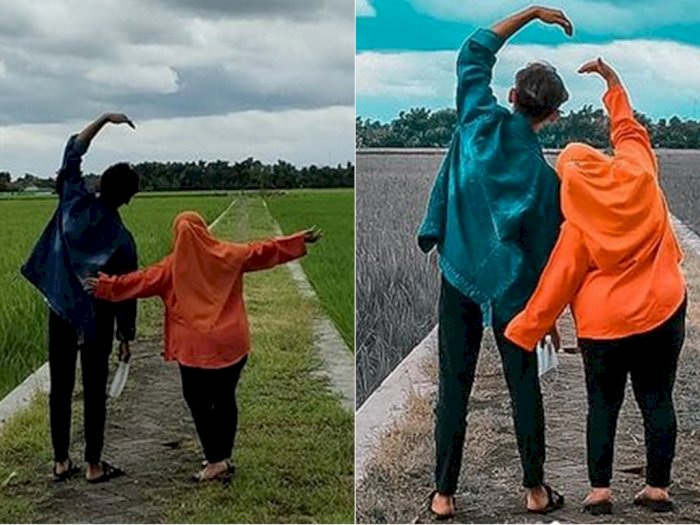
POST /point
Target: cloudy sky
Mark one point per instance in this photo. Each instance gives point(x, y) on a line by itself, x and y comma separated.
point(407, 49)
point(202, 79)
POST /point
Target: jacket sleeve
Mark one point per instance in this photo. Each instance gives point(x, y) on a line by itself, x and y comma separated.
point(69, 178)
point(629, 138)
point(125, 312)
point(474, 70)
point(556, 288)
point(149, 282)
point(266, 254)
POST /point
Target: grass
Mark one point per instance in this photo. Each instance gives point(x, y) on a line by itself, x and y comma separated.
point(397, 284)
point(24, 442)
point(294, 450)
point(330, 265)
point(23, 313)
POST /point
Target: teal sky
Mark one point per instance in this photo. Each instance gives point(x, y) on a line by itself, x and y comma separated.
point(406, 51)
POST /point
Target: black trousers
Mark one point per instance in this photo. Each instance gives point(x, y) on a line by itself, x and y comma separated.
point(211, 396)
point(651, 360)
point(94, 360)
point(459, 339)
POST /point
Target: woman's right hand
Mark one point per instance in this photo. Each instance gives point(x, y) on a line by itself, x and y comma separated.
point(601, 68)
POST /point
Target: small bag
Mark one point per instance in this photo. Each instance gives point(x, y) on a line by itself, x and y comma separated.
point(547, 359)
point(119, 380)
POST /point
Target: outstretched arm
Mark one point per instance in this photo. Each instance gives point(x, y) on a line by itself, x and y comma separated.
point(267, 254)
point(478, 56)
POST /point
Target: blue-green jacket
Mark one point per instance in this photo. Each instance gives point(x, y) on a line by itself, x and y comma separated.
point(494, 210)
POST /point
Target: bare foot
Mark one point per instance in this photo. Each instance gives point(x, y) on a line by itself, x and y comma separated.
point(443, 504)
point(596, 495)
point(653, 494)
point(61, 467)
point(93, 471)
point(536, 499)
point(213, 471)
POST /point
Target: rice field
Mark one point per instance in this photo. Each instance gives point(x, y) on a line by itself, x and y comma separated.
point(22, 311)
point(397, 285)
point(330, 266)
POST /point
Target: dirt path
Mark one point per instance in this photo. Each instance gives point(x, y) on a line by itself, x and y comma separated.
point(399, 477)
point(149, 435)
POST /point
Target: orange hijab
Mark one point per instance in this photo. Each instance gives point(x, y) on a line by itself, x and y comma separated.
point(618, 205)
point(204, 271)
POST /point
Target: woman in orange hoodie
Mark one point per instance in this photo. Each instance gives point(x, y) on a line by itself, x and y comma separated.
point(617, 262)
point(206, 326)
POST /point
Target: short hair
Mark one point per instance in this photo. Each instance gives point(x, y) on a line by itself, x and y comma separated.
point(539, 90)
point(119, 182)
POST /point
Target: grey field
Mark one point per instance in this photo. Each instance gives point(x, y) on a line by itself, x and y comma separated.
point(397, 285)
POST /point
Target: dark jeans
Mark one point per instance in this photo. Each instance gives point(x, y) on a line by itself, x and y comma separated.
point(651, 360)
point(211, 396)
point(94, 360)
point(459, 338)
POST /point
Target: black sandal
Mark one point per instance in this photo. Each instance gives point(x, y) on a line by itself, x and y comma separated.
point(599, 508)
point(109, 472)
point(72, 470)
point(437, 515)
point(555, 501)
point(655, 505)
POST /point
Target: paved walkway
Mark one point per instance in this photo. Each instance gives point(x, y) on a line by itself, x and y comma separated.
point(398, 478)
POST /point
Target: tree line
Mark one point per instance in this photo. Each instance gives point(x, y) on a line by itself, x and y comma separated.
point(215, 175)
point(424, 128)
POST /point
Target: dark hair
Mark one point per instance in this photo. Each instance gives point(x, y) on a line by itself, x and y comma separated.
point(119, 183)
point(539, 91)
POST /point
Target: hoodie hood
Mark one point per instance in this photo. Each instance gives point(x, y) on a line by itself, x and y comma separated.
point(615, 203)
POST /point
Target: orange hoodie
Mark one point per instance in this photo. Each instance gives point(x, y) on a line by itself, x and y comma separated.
point(201, 285)
point(617, 260)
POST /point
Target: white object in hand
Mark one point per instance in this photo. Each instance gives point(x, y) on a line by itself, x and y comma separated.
point(547, 359)
point(119, 380)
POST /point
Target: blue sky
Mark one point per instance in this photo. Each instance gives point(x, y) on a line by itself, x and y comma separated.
point(406, 51)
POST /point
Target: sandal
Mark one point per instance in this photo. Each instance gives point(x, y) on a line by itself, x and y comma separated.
point(109, 472)
point(599, 508)
point(72, 470)
point(655, 505)
point(555, 501)
point(438, 515)
point(224, 476)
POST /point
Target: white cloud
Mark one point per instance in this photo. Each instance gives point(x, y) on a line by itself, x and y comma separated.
point(320, 136)
point(663, 77)
point(123, 79)
point(607, 17)
point(363, 8)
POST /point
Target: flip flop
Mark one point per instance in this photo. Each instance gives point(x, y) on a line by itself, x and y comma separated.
point(555, 501)
point(109, 472)
point(437, 515)
point(73, 469)
point(599, 508)
point(655, 505)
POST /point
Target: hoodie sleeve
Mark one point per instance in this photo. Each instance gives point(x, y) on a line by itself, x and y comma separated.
point(558, 284)
point(629, 138)
point(267, 254)
point(141, 284)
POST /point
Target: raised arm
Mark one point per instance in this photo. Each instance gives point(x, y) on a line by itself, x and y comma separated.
point(629, 138)
point(558, 284)
point(478, 56)
point(77, 146)
point(267, 254)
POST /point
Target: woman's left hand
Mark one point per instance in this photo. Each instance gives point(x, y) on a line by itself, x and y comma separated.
point(312, 235)
point(90, 284)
